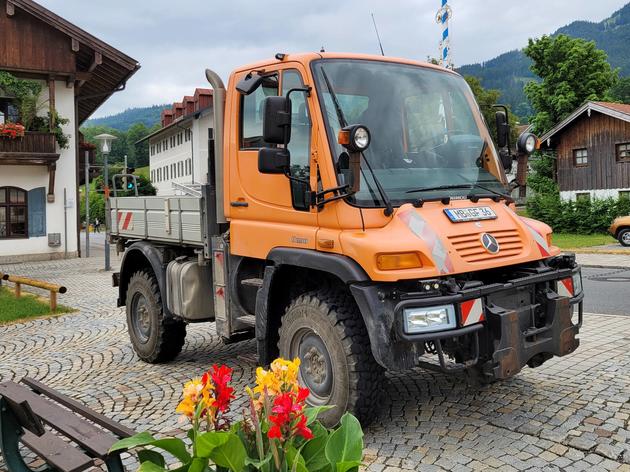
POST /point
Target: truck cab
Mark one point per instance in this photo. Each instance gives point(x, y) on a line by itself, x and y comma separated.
point(356, 215)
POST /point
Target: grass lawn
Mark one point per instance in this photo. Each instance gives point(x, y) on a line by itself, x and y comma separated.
point(570, 240)
point(27, 306)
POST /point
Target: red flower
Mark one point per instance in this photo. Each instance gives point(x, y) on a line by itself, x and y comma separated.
point(303, 430)
point(223, 393)
point(289, 417)
point(275, 432)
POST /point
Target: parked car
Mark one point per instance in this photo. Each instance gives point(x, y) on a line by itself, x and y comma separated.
point(620, 229)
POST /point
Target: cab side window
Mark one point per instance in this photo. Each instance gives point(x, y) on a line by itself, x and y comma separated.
point(300, 144)
point(251, 121)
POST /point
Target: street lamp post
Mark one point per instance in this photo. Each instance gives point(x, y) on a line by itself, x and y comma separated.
point(106, 146)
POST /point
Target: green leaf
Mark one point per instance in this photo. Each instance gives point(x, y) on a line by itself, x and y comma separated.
point(231, 454)
point(140, 439)
point(208, 442)
point(347, 466)
point(147, 455)
point(314, 451)
point(345, 444)
point(295, 461)
point(313, 412)
point(257, 463)
point(150, 467)
point(198, 464)
point(174, 446)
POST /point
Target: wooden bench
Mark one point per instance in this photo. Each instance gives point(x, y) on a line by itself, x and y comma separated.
point(77, 437)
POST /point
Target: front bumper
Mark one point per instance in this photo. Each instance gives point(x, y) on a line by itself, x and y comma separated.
point(527, 319)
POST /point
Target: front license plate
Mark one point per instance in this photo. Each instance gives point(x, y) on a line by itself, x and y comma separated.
point(459, 215)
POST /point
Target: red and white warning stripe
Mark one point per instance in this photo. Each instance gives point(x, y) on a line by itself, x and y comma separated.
point(127, 220)
point(472, 311)
point(541, 241)
point(424, 231)
point(565, 288)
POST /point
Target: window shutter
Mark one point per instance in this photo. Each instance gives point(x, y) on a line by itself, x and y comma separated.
point(37, 212)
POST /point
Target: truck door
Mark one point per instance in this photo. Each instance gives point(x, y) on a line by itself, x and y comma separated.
point(268, 210)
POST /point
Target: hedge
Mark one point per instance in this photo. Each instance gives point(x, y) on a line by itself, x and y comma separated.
point(584, 217)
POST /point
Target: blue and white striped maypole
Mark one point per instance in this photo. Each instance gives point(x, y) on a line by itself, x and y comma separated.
point(444, 14)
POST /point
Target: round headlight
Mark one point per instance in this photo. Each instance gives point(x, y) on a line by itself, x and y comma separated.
point(527, 143)
point(355, 138)
point(361, 138)
point(530, 143)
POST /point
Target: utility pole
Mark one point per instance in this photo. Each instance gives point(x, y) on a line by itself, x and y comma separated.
point(87, 203)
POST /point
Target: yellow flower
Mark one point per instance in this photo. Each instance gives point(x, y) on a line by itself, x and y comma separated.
point(193, 389)
point(186, 407)
point(282, 377)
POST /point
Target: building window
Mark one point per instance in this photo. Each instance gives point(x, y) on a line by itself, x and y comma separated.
point(13, 213)
point(173, 171)
point(189, 166)
point(580, 157)
point(623, 152)
point(159, 175)
point(583, 197)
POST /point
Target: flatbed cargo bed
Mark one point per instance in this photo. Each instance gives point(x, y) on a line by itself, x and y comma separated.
point(170, 219)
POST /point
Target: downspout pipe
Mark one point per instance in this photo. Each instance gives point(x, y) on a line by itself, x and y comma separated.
point(218, 108)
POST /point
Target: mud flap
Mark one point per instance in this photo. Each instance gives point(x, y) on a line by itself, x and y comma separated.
point(516, 347)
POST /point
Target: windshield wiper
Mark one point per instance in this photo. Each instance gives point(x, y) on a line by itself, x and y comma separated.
point(389, 209)
point(497, 196)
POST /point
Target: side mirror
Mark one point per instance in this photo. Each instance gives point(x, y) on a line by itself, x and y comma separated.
point(249, 84)
point(503, 129)
point(277, 120)
point(273, 160)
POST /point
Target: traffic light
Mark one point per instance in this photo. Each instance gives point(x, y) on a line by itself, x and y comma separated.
point(130, 185)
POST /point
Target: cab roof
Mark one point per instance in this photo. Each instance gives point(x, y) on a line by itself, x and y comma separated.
point(307, 57)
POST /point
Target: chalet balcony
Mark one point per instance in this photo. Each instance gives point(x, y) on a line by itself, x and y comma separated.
point(34, 148)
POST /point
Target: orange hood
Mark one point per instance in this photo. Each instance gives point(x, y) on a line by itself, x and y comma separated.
point(445, 247)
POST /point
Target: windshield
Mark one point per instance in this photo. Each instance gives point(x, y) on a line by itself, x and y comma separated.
point(423, 129)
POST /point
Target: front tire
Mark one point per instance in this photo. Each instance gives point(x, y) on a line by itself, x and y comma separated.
point(325, 330)
point(624, 237)
point(155, 338)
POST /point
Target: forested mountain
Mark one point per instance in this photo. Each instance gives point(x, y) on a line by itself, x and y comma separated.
point(510, 71)
point(149, 116)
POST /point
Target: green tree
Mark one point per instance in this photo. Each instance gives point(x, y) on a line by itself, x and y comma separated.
point(620, 92)
point(486, 98)
point(139, 152)
point(572, 71)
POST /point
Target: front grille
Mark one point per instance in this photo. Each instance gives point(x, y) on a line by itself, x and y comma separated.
point(469, 247)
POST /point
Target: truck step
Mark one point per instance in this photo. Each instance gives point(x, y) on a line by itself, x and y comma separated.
point(247, 320)
point(252, 282)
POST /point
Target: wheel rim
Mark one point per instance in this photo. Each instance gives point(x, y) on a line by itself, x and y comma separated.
point(625, 237)
point(141, 320)
point(316, 366)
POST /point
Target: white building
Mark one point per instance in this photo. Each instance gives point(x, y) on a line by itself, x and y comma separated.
point(39, 217)
point(179, 150)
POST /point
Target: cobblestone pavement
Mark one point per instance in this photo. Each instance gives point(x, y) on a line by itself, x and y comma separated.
point(571, 414)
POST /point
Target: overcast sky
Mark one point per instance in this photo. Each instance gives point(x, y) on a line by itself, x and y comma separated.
point(175, 40)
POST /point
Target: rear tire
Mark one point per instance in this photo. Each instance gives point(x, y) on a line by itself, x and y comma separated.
point(325, 330)
point(155, 338)
point(624, 237)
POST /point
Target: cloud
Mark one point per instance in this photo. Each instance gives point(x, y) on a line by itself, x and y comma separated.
point(176, 41)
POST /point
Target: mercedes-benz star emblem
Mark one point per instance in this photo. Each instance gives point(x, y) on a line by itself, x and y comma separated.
point(490, 243)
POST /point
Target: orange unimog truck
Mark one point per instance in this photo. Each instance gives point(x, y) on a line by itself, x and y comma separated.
point(356, 215)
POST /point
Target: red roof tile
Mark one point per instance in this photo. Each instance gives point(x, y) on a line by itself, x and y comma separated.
point(620, 107)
